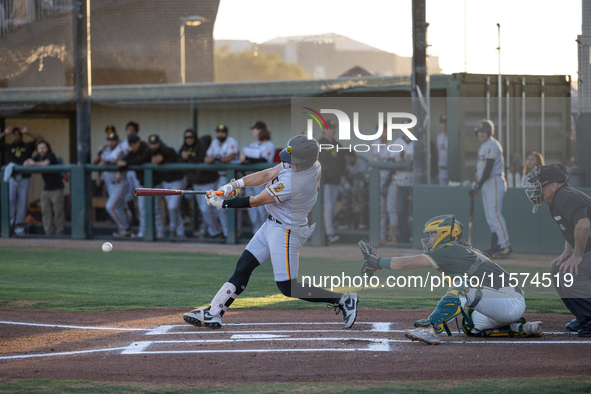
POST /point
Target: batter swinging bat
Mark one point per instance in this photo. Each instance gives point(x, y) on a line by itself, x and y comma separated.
point(470, 220)
point(172, 192)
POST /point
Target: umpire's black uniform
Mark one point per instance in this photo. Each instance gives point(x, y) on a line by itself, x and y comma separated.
point(568, 206)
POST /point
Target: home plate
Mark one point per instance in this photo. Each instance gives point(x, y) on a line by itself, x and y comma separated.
point(257, 336)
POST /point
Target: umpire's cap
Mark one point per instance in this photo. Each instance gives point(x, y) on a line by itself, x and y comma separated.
point(301, 152)
point(485, 125)
point(551, 174)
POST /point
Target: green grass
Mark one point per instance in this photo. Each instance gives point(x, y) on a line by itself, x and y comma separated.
point(577, 384)
point(90, 280)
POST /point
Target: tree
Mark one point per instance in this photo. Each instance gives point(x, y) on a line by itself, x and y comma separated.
point(253, 66)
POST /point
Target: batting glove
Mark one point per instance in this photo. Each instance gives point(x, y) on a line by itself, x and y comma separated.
point(228, 188)
point(213, 199)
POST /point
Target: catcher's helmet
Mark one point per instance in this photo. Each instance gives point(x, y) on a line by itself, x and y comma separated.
point(301, 152)
point(447, 229)
point(539, 177)
point(485, 125)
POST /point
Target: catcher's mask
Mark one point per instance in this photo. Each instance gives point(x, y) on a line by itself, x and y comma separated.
point(539, 177)
point(441, 229)
point(301, 153)
point(485, 125)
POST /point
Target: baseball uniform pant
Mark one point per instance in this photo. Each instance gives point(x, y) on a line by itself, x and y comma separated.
point(52, 211)
point(493, 191)
point(576, 297)
point(281, 245)
point(222, 214)
point(141, 205)
point(173, 204)
point(257, 215)
point(443, 177)
point(496, 308)
point(131, 180)
point(208, 214)
point(330, 195)
point(116, 203)
point(403, 210)
point(18, 190)
point(388, 215)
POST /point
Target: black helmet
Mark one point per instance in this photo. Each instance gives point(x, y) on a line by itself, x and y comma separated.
point(485, 125)
point(301, 152)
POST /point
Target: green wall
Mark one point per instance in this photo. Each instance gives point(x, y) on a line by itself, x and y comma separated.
point(528, 233)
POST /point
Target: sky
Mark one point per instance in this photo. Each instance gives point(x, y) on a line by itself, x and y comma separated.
point(537, 37)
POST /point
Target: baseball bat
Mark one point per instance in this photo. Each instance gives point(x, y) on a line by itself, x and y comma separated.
point(471, 220)
point(172, 192)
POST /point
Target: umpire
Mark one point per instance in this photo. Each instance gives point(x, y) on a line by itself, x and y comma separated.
point(571, 209)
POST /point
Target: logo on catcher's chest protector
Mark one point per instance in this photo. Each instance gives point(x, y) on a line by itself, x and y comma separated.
point(279, 187)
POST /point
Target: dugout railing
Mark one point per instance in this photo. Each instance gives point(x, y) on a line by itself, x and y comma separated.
point(80, 192)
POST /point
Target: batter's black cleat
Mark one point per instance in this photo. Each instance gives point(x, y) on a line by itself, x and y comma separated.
point(574, 325)
point(585, 331)
point(370, 257)
point(201, 317)
point(348, 305)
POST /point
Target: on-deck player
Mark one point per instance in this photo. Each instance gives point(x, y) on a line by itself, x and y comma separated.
point(290, 192)
point(491, 180)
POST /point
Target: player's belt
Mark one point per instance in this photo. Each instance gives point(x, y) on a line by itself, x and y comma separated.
point(443, 168)
point(271, 218)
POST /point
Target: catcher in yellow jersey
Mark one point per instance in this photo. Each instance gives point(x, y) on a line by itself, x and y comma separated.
point(490, 309)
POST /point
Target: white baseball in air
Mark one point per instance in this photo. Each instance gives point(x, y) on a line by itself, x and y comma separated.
point(107, 247)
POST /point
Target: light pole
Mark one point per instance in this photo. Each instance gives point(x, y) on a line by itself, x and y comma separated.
point(193, 20)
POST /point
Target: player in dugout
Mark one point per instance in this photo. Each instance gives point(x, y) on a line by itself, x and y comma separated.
point(492, 308)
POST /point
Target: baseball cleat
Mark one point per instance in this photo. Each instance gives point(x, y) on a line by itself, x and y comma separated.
point(370, 257)
point(502, 254)
point(423, 334)
point(201, 317)
point(533, 329)
point(585, 331)
point(574, 325)
point(348, 304)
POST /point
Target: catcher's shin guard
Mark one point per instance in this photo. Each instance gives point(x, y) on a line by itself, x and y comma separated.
point(447, 308)
point(370, 257)
point(223, 299)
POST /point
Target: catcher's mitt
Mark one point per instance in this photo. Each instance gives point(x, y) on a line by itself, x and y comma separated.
point(370, 258)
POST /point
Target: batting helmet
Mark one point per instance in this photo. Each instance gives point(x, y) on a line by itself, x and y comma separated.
point(485, 125)
point(301, 152)
point(447, 229)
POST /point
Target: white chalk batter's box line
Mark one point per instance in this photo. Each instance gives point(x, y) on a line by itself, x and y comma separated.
point(374, 344)
point(376, 327)
point(166, 329)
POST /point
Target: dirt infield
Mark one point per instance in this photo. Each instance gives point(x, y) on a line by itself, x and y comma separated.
point(271, 345)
